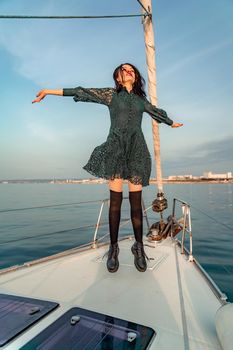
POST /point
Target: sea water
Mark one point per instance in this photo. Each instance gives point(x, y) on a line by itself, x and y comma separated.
point(40, 219)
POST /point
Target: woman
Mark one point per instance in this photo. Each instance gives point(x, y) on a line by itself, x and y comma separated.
point(124, 155)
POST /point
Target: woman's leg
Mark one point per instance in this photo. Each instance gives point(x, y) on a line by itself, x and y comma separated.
point(115, 187)
point(135, 199)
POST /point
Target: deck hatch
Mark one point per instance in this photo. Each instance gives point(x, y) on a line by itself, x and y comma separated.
point(18, 313)
point(80, 329)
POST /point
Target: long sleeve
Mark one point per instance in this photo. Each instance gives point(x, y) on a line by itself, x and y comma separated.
point(157, 114)
point(96, 95)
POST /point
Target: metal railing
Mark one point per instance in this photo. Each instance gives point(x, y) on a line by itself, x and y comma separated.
point(187, 228)
point(94, 244)
point(123, 222)
point(185, 222)
point(96, 226)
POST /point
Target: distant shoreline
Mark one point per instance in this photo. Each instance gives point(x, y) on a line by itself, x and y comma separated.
point(102, 181)
point(214, 181)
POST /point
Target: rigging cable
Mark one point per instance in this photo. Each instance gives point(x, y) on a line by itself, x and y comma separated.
point(45, 234)
point(51, 206)
point(212, 218)
point(73, 17)
point(147, 13)
point(55, 205)
point(123, 223)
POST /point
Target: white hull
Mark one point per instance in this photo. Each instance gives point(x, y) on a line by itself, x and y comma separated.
point(172, 297)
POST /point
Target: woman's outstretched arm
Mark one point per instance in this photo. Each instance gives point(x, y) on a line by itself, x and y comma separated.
point(42, 93)
point(159, 114)
point(96, 95)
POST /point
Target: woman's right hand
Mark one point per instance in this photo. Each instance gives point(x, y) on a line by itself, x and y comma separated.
point(41, 94)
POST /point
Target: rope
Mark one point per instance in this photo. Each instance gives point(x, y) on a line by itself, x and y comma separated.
point(72, 17)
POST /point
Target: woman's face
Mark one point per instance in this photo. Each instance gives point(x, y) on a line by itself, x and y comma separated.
point(126, 75)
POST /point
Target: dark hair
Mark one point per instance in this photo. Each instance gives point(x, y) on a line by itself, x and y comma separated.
point(138, 85)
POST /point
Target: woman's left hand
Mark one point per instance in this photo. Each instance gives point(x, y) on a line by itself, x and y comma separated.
point(176, 125)
point(41, 94)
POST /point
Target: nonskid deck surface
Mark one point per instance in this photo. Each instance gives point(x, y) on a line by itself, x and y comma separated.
point(171, 296)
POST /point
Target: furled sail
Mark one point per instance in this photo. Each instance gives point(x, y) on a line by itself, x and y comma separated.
point(160, 203)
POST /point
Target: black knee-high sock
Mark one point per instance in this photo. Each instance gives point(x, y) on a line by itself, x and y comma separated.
point(114, 215)
point(135, 199)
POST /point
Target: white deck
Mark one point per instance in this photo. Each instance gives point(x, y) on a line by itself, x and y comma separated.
point(153, 298)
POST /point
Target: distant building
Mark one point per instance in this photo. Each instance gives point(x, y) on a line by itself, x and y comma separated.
point(180, 177)
point(210, 175)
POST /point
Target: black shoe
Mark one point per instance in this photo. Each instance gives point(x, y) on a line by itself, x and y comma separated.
point(139, 256)
point(113, 262)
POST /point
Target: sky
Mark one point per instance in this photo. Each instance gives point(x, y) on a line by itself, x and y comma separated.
point(54, 139)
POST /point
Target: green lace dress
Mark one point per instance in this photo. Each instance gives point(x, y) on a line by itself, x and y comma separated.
point(124, 154)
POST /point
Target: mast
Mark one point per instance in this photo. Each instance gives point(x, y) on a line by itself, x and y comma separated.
point(160, 204)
